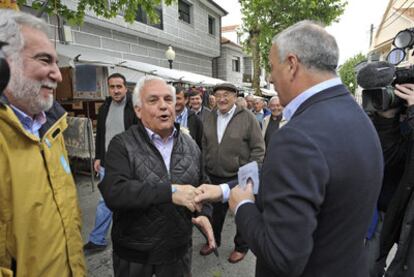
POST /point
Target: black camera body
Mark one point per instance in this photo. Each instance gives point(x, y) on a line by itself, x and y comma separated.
point(383, 98)
point(379, 78)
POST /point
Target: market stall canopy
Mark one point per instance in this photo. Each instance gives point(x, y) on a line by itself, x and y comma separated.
point(268, 92)
point(71, 54)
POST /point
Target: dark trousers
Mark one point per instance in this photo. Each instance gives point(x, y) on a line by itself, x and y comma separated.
point(180, 268)
point(219, 215)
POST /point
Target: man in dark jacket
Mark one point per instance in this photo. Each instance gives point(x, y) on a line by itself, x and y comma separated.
point(115, 116)
point(151, 179)
point(322, 172)
point(396, 199)
point(187, 119)
point(196, 104)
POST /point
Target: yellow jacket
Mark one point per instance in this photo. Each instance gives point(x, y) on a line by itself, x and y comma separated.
point(40, 221)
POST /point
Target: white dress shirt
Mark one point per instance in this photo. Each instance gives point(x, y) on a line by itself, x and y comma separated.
point(222, 122)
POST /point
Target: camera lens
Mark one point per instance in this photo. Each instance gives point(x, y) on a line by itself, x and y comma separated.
point(403, 39)
point(396, 56)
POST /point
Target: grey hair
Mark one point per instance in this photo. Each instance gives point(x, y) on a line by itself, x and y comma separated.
point(258, 99)
point(313, 45)
point(10, 30)
point(274, 98)
point(136, 97)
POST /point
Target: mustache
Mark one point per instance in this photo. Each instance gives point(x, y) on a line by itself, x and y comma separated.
point(49, 84)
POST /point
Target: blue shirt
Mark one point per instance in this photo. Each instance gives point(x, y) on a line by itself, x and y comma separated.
point(291, 108)
point(164, 146)
point(32, 125)
point(182, 118)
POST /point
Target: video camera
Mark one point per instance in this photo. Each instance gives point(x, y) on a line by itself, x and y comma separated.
point(379, 78)
point(4, 69)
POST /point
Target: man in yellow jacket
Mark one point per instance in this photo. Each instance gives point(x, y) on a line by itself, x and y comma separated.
point(39, 214)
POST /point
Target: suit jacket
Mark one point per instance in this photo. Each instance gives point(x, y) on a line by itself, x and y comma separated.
point(320, 181)
point(203, 113)
point(195, 126)
point(266, 123)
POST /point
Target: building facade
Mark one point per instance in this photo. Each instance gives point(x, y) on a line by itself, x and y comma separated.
point(191, 27)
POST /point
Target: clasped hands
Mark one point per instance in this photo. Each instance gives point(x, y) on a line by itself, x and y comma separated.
point(185, 196)
point(194, 197)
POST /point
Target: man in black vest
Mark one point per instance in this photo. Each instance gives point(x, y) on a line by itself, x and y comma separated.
point(152, 174)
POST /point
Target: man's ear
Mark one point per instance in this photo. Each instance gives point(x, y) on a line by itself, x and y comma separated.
point(138, 111)
point(293, 63)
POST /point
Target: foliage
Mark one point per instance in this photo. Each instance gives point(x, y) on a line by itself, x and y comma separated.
point(347, 71)
point(105, 8)
point(266, 18)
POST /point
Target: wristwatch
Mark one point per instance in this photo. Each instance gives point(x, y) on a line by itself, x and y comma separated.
point(173, 189)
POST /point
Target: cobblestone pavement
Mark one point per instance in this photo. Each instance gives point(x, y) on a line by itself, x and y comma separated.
point(100, 264)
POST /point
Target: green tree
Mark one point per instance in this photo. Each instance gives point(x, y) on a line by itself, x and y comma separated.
point(105, 8)
point(347, 71)
point(263, 19)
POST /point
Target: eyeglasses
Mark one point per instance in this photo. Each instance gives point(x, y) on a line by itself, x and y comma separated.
point(225, 95)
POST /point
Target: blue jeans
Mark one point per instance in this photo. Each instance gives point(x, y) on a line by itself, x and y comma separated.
point(103, 219)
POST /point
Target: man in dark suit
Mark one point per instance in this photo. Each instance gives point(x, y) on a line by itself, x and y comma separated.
point(322, 171)
point(196, 104)
point(187, 118)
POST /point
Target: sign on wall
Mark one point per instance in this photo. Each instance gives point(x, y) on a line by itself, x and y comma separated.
point(89, 81)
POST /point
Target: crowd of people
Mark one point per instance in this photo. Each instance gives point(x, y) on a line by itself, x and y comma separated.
point(168, 161)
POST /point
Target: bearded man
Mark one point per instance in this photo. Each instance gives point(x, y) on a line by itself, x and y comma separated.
point(39, 213)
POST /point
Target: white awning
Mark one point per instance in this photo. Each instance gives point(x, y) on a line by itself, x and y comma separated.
point(130, 75)
point(268, 92)
point(71, 54)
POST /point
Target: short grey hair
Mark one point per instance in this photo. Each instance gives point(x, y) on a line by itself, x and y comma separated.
point(258, 99)
point(313, 45)
point(273, 99)
point(10, 30)
point(136, 97)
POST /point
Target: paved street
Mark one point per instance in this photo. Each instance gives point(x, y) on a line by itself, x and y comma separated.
point(101, 264)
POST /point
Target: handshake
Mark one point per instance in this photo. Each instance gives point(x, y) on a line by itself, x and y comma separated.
point(193, 197)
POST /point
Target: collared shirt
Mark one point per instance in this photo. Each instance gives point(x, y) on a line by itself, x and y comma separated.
point(197, 112)
point(182, 118)
point(29, 124)
point(291, 108)
point(164, 146)
point(222, 122)
point(259, 116)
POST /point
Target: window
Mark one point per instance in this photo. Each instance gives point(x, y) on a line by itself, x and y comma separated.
point(141, 16)
point(184, 11)
point(211, 25)
point(235, 64)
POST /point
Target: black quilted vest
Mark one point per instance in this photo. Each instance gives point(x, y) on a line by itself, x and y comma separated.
point(161, 233)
